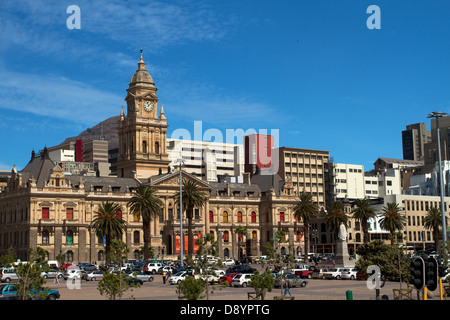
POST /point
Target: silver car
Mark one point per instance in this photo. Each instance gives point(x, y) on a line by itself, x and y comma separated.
point(8, 275)
point(94, 275)
point(140, 275)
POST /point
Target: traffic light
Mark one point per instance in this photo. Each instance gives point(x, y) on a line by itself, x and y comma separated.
point(431, 273)
point(418, 273)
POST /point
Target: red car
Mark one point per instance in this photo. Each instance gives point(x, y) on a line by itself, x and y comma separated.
point(227, 278)
point(361, 276)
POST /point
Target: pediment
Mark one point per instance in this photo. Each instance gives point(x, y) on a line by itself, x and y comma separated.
point(173, 180)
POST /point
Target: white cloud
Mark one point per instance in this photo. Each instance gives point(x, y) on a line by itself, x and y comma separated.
point(56, 97)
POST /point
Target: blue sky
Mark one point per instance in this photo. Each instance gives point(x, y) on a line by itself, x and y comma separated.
point(311, 69)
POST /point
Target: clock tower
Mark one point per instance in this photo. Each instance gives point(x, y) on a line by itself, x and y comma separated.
point(142, 133)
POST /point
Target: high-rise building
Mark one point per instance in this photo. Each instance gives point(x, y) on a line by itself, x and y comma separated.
point(414, 139)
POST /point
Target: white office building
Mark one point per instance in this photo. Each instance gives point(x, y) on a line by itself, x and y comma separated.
point(208, 161)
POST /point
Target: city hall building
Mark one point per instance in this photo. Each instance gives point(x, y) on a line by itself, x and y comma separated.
point(41, 206)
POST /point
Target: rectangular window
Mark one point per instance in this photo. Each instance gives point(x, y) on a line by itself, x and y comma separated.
point(45, 213)
point(69, 213)
point(281, 216)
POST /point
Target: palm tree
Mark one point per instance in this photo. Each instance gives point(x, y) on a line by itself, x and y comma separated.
point(304, 210)
point(391, 218)
point(146, 204)
point(363, 213)
point(192, 197)
point(335, 216)
point(433, 221)
point(107, 224)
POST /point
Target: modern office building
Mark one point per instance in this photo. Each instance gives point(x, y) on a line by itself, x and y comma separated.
point(210, 161)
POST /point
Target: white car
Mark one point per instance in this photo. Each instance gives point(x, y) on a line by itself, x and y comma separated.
point(228, 262)
point(180, 276)
point(348, 273)
point(241, 280)
point(332, 273)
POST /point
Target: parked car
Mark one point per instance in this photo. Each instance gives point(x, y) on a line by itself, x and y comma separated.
point(318, 272)
point(294, 281)
point(229, 262)
point(180, 276)
point(133, 281)
point(241, 269)
point(349, 273)
point(88, 267)
point(52, 273)
point(333, 273)
point(141, 276)
point(241, 280)
point(152, 267)
point(227, 278)
point(169, 269)
point(94, 275)
point(361, 275)
point(74, 273)
point(8, 275)
point(303, 271)
point(11, 290)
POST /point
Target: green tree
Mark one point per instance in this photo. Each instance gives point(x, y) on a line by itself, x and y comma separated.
point(363, 212)
point(146, 204)
point(335, 216)
point(191, 289)
point(433, 221)
point(391, 260)
point(116, 284)
point(29, 273)
point(304, 210)
point(192, 197)
point(207, 246)
point(392, 219)
point(262, 283)
point(108, 224)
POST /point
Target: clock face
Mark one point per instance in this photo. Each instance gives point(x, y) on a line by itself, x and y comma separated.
point(148, 106)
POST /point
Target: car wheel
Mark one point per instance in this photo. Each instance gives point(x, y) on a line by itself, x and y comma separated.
point(338, 277)
point(93, 279)
point(244, 284)
point(309, 276)
point(45, 276)
point(179, 281)
point(150, 279)
point(51, 297)
point(60, 276)
point(7, 280)
point(303, 284)
point(352, 277)
point(154, 271)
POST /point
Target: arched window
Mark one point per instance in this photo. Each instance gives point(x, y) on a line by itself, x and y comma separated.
point(119, 214)
point(239, 216)
point(136, 237)
point(253, 215)
point(225, 216)
point(144, 146)
point(157, 147)
point(254, 234)
point(211, 216)
point(45, 237)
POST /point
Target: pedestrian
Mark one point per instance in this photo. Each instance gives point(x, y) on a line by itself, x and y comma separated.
point(164, 277)
point(56, 278)
point(287, 287)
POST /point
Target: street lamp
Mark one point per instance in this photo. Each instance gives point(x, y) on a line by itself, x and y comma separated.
point(437, 115)
point(181, 161)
